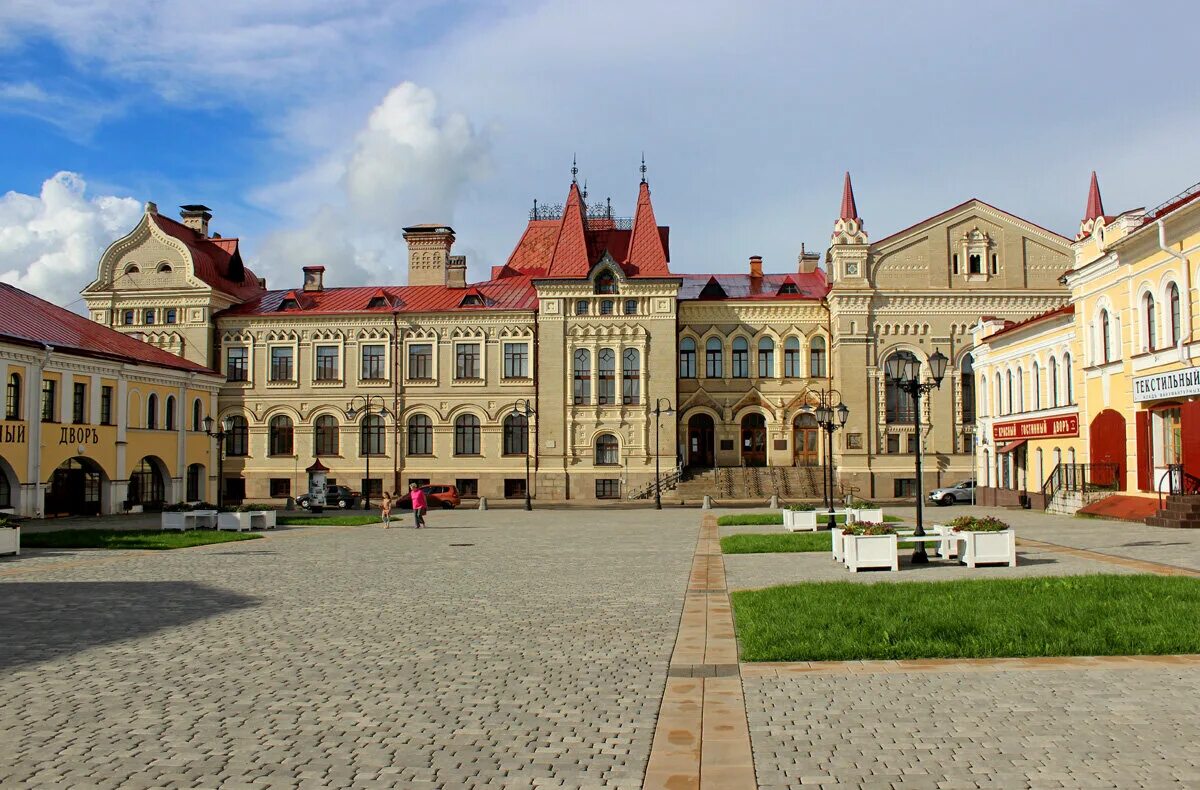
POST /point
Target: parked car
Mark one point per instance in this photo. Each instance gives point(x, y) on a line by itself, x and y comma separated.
point(335, 496)
point(443, 496)
point(963, 492)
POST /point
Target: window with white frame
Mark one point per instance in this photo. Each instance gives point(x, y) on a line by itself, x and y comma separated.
point(516, 360)
point(237, 363)
point(420, 362)
point(467, 361)
point(326, 368)
point(374, 367)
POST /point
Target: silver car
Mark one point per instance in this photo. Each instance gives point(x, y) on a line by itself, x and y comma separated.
point(963, 492)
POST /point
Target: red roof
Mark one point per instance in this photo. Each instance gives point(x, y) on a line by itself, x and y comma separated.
point(570, 257)
point(216, 261)
point(1066, 309)
point(849, 210)
point(810, 286)
point(647, 248)
point(28, 320)
point(1095, 207)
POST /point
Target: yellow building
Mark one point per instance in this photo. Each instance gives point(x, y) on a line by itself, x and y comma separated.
point(95, 421)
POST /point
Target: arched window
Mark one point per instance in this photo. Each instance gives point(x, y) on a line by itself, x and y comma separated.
point(1105, 338)
point(791, 358)
point(1070, 385)
point(581, 307)
point(606, 307)
point(714, 367)
point(741, 358)
point(606, 377)
point(1020, 390)
point(131, 268)
point(999, 396)
point(987, 468)
point(420, 435)
point(687, 358)
point(608, 452)
point(1008, 391)
point(1151, 319)
point(1173, 307)
point(169, 414)
point(237, 438)
point(606, 283)
point(1037, 386)
point(766, 358)
point(816, 358)
point(966, 374)
point(466, 435)
point(164, 267)
point(631, 376)
point(197, 415)
point(152, 411)
point(12, 401)
point(583, 376)
point(371, 439)
point(631, 307)
point(516, 434)
point(1052, 375)
point(326, 435)
point(899, 404)
point(280, 435)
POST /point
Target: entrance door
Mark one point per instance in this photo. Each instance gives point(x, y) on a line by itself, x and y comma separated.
point(701, 441)
point(1106, 445)
point(805, 441)
point(74, 490)
point(754, 440)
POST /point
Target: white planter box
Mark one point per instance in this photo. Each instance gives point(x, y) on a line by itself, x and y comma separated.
point(10, 540)
point(238, 522)
point(983, 548)
point(178, 520)
point(871, 551)
point(948, 548)
point(263, 519)
point(800, 520)
point(787, 518)
point(205, 519)
point(835, 535)
point(873, 515)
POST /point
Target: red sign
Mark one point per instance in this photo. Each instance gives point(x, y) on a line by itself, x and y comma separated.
point(1040, 428)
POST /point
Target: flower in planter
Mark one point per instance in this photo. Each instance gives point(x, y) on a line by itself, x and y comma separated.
point(868, 528)
point(801, 508)
point(178, 507)
point(973, 524)
point(9, 523)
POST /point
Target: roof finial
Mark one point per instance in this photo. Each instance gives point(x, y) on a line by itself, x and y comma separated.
point(643, 167)
point(608, 210)
point(574, 169)
point(584, 193)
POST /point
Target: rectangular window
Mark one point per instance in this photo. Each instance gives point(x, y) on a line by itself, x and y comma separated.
point(372, 363)
point(582, 377)
point(79, 403)
point(372, 487)
point(893, 443)
point(281, 486)
point(766, 363)
point(149, 317)
point(48, 400)
point(281, 364)
point(327, 363)
point(516, 360)
point(514, 488)
point(466, 361)
point(741, 363)
point(106, 396)
point(236, 364)
point(171, 316)
point(712, 361)
point(608, 488)
point(127, 318)
point(235, 489)
point(791, 363)
point(12, 405)
point(420, 361)
point(687, 363)
point(912, 443)
point(904, 488)
point(467, 487)
point(816, 358)
point(606, 392)
point(631, 372)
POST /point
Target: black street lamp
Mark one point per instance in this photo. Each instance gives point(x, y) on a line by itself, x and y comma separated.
point(830, 418)
point(904, 371)
point(522, 409)
point(658, 412)
point(226, 428)
point(365, 405)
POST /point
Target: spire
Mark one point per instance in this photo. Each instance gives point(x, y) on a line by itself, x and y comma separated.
point(849, 210)
point(646, 248)
point(574, 169)
point(570, 257)
point(643, 167)
point(1095, 207)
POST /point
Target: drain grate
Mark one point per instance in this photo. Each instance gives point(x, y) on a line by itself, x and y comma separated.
point(462, 544)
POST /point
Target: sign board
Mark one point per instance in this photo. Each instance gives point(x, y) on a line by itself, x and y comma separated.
point(1039, 428)
point(1176, 384)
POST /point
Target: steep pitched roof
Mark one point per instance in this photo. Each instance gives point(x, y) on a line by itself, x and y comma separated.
point(646, 249)
point(1095, 207)
point(849, 209)
point(216, 261)
point(28, 320)
point(570, 258)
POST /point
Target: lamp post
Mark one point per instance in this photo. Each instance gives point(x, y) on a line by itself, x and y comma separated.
point(905, 374)
point(659, 410)
point(226, 428)
point(521, 409)
point(365, 405)
point(830, 418)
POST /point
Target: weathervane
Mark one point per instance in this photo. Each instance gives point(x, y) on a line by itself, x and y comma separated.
point(574, 169)
point(643, 167)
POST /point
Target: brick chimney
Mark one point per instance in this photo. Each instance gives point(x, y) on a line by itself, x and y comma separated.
point(196, 217)
point(314, 278)
point(456, 271)
point(755, 267)
point(429, 254)
point(807, 261)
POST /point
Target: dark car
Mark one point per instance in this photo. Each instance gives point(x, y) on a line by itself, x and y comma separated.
point(443, 496)
point(335, 496)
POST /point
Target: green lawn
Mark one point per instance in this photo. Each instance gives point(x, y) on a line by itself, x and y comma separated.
point(756, 519)
point(751, 543)
point(127, 539)
point(1053, 616)
point(327, 521)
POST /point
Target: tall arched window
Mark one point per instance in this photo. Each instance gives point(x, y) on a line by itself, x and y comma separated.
point(766, 358)
point(197, 415)
point(1052, 375)
point(714, 367)
point(1173, 307)
point(816, 358)
point(741, 358)
point(420, 435)
point(237, 438)
point(1105, 337)
point(606, 283)
point(371, 436)
point(326, 435)
point(899, 404)
point(516, 434)
point(1149, 315)
point(1020, 390)
point(1008, 391)
point(606, 377)
point(631, 376)
point(1070, 385)
point(169, 414)
point(12, 401)
point(999, 396)
point(1037, 386)
point(791, 358)
point(608, 452)
point(966, 374)
point(152, 411)
point(687, 358)
point(466, 435)
point(280, 435)
point(583, 376)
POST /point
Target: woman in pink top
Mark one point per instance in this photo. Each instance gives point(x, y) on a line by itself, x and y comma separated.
point(418, 504)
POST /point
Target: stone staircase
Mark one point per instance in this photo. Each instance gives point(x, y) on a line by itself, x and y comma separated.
point(735, 482)
point(1181, 512)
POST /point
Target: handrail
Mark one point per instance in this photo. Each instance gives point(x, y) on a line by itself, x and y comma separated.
point(1180, 483)
point(1080, 477)
point(666, 482)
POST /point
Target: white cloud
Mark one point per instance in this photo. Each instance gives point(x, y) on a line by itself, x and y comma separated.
point(50, 243)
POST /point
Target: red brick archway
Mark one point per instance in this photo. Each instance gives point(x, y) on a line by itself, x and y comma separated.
point(1106, 445)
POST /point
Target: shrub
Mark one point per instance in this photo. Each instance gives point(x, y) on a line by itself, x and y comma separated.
point(801, 508)
point(861, 504)
point(178, 507)
point(9, 523)
point(973, 524)
point(869, 528)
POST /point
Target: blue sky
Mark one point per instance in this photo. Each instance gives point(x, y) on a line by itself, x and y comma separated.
point(315, 131)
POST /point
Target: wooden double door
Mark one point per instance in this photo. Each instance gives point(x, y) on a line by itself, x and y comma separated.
point(806, 441)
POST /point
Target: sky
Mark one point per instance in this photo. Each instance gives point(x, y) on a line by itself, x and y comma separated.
point(315, 131)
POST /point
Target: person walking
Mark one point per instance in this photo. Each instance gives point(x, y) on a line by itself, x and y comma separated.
point(385, 510)
point(419, 505)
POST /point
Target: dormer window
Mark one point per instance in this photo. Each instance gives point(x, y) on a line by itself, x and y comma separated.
point(289, 304)
point(377, 301)
point(606, 283)
point(788, 288)
point(713, 290)
point(471, 300)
